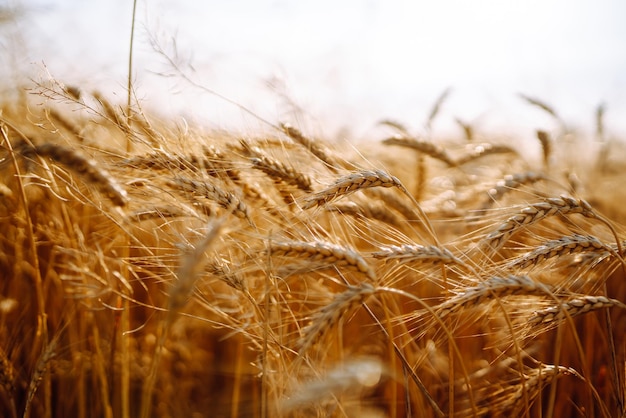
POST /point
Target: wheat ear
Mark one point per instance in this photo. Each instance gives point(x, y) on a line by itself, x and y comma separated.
point(79, 164)
point(511, 182)
point(351, 183)
point(578, 306)
point(410, 253)
point(314, 147)
point(210, 191)
point(492, 288)
point(322, 252)
point(562, 246)
point(328, 316)
point(425, 147)
point(534, 213)
point(482, 150)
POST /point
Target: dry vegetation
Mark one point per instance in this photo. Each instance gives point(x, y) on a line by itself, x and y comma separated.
point(149, 268)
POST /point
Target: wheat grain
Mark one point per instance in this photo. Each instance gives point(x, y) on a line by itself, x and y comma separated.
point(322, 252)
point(534, 213)
point(349, 184)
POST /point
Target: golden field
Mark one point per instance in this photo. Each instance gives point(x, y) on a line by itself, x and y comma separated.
point(153, 268)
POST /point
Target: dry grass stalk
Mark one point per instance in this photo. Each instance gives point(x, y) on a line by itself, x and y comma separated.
point(328, 316)
point(415, 253)
point(351, 183)
point(536, 212)
point(322, 252)
point(314, 147)
point(578, 306)
point(79, 164)
point(425, 147)
point(490, 289)
point(560, 247)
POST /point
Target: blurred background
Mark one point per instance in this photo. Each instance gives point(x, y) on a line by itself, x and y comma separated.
point(334, 67)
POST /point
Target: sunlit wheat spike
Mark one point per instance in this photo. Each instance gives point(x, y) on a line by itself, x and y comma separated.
point(534, 213)
point(559, 247)
point(349, 184)
point(574, 307)
point(322, 252)
point(532, 383)
point(492, 288)
point(477, 151)
point(223, 272)
point(210, 191)
point(425, 147)
point(281, 172)
point(546, 146)
point(87, 168)
point(511, 182)
point(328, 316)
point(314, 147)
point(409, 253)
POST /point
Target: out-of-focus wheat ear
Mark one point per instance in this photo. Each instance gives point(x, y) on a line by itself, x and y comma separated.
point(531, 385)
point(41, 369)
point(351, 183)
point(434, 111)
point(560, 247)
point(314, 147)
point(398, 126)
point(392, 200)
point(491, 289)
point(160, 212)
point(477, 151)
point(424, 147)
point(368, 211)
point(113, 114)
point(546, 147)
point(8, 378)
point(545, 107)
point(191, 267)
point(329, 316)
point(220, 163)
point(66, 124)
point(468, 130)
point(317, 252)
point(86, 168)
point(534, 213)
point(349, 378)
point(580, 305)
point(508, 183)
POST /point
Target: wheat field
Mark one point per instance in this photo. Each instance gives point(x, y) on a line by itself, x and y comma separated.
point(150, 268)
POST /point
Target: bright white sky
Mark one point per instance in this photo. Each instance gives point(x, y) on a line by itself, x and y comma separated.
point(347, 63)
